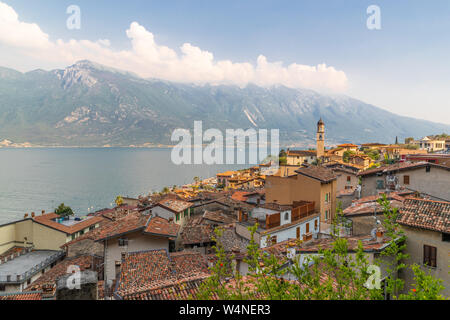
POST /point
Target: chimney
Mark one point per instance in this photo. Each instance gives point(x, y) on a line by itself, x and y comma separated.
point(33, 214)
point(25, 216)
point(380, 235)
point(43, 212)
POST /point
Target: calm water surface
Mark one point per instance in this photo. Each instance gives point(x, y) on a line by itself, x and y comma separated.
point(86, 179)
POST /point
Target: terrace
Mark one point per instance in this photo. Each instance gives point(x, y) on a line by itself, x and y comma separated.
point(22, 267)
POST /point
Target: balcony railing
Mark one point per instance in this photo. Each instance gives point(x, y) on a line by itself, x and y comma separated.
point(18, 278)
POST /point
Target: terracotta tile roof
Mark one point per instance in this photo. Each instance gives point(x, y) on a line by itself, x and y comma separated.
point(320, 173)
point(218, 216)
point(135, 221)
point(175, 205)
point(226, 174)
point(47, 282)
point(22, 296)
point(426, 214)
point(240, 196)
point(313, 246)
point(117, 213)
point(161, 226)
point(195, 231)
point(150, 274)
point(373, 144)
point(365, 208)
point(347, 145)
point(48, 220)
point(172, 289)
point(276, 206)
point(187, 262)
point(302, 153)
point(230, 240)
point(400, 166)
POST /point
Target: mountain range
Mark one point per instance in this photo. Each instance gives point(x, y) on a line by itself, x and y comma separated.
point(88, 104)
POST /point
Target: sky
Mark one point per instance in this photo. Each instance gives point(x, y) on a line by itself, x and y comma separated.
point(404, 67)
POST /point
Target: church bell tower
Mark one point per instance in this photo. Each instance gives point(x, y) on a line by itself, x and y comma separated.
point(320, 139)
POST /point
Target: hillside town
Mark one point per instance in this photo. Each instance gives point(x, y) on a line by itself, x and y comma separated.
point(163, 246)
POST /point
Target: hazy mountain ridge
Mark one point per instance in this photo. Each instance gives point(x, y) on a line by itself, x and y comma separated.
point(89, 104)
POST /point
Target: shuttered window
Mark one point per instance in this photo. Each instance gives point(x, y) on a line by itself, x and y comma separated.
point(429, 256)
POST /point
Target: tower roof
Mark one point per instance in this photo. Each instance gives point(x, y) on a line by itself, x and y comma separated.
point(320, 122)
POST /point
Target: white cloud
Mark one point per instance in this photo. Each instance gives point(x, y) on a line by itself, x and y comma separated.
point(149, 59)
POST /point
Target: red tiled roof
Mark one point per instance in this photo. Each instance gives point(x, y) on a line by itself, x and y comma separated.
point(175, 205)
point(276, 206)
point(218, 216)
point(135, 221)
point(47, 282)
point(48, 220)
point(240, 196)
point(172, 289)
point(161, 226)
point(320, 173)
point(400, 166)
point(302, 153)
point(348, 145)
point(188, 262)
point(22, 296)
point(426, 214)
point(195, 231)
point(12, 251)
point(313, 246)
point(147, 271)
point(369, 208)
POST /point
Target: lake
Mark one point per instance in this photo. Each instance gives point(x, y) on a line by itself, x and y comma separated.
point(87, 180)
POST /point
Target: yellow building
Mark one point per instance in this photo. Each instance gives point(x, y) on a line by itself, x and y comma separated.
point(431, 144)
point(44, 232)
point(313, 183)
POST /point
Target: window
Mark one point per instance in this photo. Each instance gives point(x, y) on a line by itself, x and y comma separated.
point(316, 225)
point(123, 242)
point(298, 232)
point(446, 237)
point(405, 179)
point(326, 214)
point(428, 169)
point(349, 179)
point(326, 198)
point(273, 240)
point(307, 227)
point(177, 217)
point(380, 184)
point(286, 216)
point(2, 287)
point(186, 213)
point(429, 256)
point(91, 228)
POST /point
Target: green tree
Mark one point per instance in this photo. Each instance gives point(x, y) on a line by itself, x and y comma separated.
point(119, 201)
point(64, 211)
point(332, 274)
point(347, 154)
point(165, 190)
point(426, 287)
